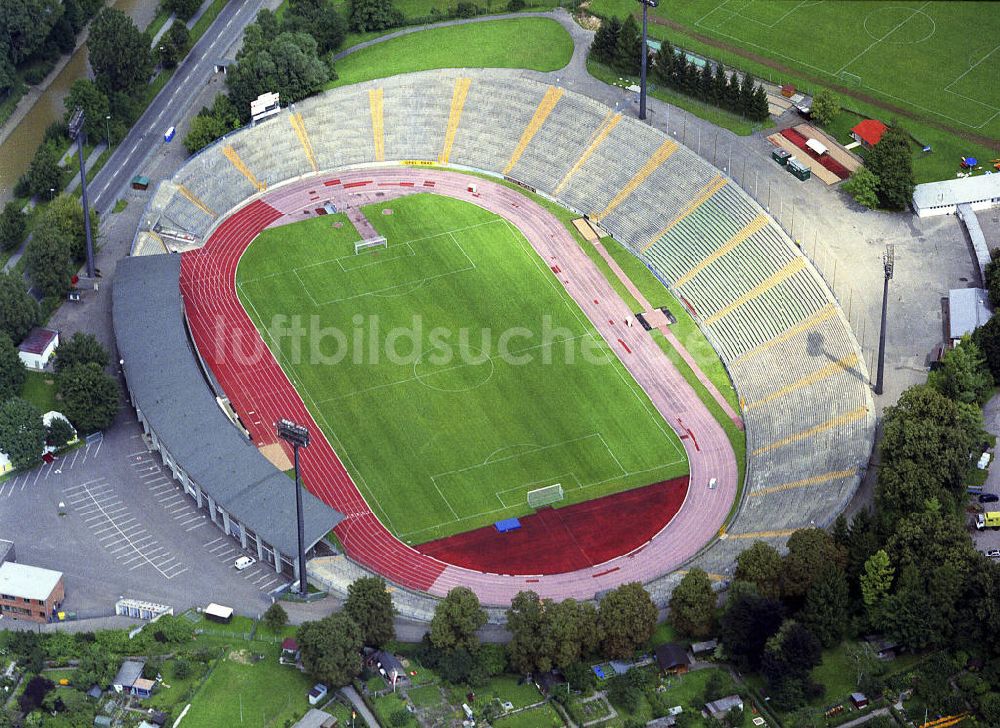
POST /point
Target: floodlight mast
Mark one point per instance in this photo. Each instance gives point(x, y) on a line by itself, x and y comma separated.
point(645, 52)
point(297, 436)
point(78, 132)
point(888, 265)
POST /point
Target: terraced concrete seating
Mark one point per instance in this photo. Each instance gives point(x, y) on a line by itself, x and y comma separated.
point(809, 416)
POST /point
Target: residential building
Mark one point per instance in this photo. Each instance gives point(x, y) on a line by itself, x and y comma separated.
point(29, 592)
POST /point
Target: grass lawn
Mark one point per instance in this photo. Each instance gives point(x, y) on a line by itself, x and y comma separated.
point(239, 690)
point(543, 715)
point(40, 389)
point(426, 696)
point(419, 10)
point(916, 55)
point(482, 375)
point(540, 44)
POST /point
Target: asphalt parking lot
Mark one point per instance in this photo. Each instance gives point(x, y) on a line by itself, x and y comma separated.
point(113, 520)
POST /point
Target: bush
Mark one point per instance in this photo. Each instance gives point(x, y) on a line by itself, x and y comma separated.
point(182, 669)
point(465, 10)
point(400, 717)
point(515, 6)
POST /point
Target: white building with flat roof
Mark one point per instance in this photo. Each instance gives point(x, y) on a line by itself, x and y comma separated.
point(943, 198)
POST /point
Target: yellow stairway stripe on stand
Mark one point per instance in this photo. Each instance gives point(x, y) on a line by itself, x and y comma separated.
point(457, 104)
point(300, 131)
point(233, 156)
point(661, 155)
point(378, 128)
point(714, 185)
point(545, 107)
point(600, 134)
point(197, 202)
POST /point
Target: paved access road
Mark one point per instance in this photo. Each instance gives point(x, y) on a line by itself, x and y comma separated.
point(192, 74)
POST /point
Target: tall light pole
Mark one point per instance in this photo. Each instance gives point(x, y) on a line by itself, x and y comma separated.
point(297, 436)
point(888, 262)
point(78, 132)
point(646, 4)
point(107, 122)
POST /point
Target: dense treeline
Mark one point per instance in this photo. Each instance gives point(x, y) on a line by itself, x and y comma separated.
point(618, 44)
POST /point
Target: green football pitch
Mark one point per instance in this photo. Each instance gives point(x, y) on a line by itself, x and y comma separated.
point(942, 59)
point(450, 370)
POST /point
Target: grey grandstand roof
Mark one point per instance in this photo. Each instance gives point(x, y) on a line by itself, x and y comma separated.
point(170, 390)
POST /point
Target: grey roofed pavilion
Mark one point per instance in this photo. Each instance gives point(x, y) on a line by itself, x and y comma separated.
point(170, 392)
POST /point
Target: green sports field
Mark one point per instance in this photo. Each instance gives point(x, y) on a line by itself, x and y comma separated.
point(940, 59)
point(460, 375)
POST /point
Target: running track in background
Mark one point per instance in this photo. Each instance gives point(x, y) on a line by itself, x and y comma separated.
point(261, 393)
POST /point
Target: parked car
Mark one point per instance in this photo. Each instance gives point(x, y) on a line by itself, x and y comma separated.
point(993, 553)
point(244, 562)
point(989, 498)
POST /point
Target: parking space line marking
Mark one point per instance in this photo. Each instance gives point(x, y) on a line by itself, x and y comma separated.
point(197, 525)
point(214, 541)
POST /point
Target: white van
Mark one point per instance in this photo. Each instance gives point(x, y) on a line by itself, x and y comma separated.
point(244, 562)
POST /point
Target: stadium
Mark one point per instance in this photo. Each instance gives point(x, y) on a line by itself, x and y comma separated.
point(448, 195)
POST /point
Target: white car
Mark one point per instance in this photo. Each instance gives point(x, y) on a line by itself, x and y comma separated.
point(244, 562)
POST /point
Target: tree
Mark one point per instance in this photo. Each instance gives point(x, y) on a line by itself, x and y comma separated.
point(963, 375)
point(43, 173)
point(183, 9)
point(760, 109)
point(892, 162)
point(27, 24)
point(626, 617)
point(48, 263)
point(629, 50)
point(13, 226)
point(331, 649)
point(746, 626)
point(176, 44)
point(119, 53)
point(288, 65)
point(369, 604)
point(96, 107)
point(992, 276)
point(825, 107)
point(18, 310)
point(574, 631)
point(59, 432)
point(692, 605)
point(12, 373)
point(605, 45)
point(934, 432)
point(530, 648)
point(64, 217)
point(761, 565)
point(788, 660)
point(368, 15)
point(22, 435)
point(319, 20)
point(203, 131)
point(275, 617)
point(81, 348)
point(825, 612)
point(456, 619)
point(90, 397)
point(987, 338)
point(862, 185)
point(907, 611)
point(809, 549)
point(876, 582)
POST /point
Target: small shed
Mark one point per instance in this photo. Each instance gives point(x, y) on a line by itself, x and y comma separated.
point(129, 672)
point(389, 667)
point(548, 681)
point(968, 309)
point(143, 688)
point(702, 648)
point(102, 721)
point(95, 692)
point(859, 700)
point(868, 133)
point(290, 649)
point(718, 709)
point(672, 658)
point(316, 718)
point(38, 347)
point(218, 613)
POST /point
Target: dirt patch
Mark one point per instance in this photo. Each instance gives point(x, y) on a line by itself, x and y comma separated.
point(277, 455)
point(338, 224)
point(387, 211)
point(240, 656)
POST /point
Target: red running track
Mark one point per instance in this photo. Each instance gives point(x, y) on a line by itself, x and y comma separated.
point(799, 140)
point(261, 393)
point(552, 540)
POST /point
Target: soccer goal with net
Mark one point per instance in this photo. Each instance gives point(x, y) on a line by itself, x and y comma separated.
point(363, 245)
point(545, 496)
point(851, 79)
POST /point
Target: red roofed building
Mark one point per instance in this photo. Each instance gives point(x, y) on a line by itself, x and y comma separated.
point(868, 132)
point(38, 347)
